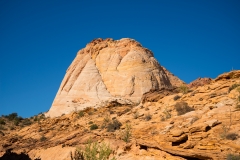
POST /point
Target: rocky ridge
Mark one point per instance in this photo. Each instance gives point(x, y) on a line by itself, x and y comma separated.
point(206, 127)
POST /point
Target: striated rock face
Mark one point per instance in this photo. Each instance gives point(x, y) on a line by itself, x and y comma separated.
point(108, 70)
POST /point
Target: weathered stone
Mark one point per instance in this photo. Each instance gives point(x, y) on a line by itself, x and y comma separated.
point(176, 133)
point(183, 137)
point(203, 127)
point(200, 82)
point(107, 70)
point(212, 122)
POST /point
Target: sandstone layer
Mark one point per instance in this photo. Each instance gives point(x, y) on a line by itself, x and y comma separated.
point(211, 131)
point(108, 70)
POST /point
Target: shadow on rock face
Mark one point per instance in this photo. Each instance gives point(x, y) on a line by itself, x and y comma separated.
point(9, 155)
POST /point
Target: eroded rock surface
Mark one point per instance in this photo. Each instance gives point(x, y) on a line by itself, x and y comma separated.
point(106, 70)
point(211, 131)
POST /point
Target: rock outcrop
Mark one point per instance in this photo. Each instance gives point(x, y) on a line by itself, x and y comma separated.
point(155, 128)
point(199, 82)
point(174, 80)
point(108, 70)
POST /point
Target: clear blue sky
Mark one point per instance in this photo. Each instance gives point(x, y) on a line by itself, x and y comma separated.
point(40, 38)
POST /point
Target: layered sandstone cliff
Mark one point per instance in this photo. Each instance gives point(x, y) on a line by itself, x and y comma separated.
point(108, 70)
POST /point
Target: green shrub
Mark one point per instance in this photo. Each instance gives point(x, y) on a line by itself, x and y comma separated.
point(93, 151)
point(233, 157)
point(231, 136)
point(16, 122)
point(90, 122)
point(224, 131)
point(182, 108)
point(26, 122)
point(183, 89)
point(126, 134)
point(114, 125)
point(15, 118)
point(78, 155)
point(111, 112)
point(148, 117)
point(90, 113)
point(93, 127)
point(167, 114)
point(2, 122)
point(238, 98)
point(35, 118)
point(81, 114)
point(43, 138)
point(12, 116)
point(176, 97)
point(106, 119)
point(233, 87)
point(42, 116)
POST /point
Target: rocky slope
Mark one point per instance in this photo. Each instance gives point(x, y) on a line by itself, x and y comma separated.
point(200, 124)
point(109, 70)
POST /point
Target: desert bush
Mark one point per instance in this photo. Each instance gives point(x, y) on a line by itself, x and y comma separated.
point(35, 118)
point(111, 112)
point(26, 122)
point(90, 113)
point(2, 122)
point(93, 151)
point(93, 127)
point(78, 155)
point(42, 116)
point(167, 114)
point(231, 136)
point(90, 122)
point(43, 138)
point(238, 98)
point(148, 117)
point(233, 157)
point(12, 116)
point(183, 89)
point(106, 119)
point(224, 132)
point(114, 125)
point(182, 108)
point(176, 97)
point(81, 114)
point(16, 122)
point(126, 134)
point(233, 87)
